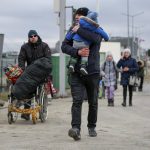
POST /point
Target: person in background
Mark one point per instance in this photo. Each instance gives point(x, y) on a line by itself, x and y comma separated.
point(34, 49)
point(128, 66)
point(140, 74)
point(110, 74)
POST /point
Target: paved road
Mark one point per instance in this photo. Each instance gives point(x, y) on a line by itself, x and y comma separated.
point(118, 128)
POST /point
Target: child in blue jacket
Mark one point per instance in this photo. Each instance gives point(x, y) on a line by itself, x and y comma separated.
point(89, 22)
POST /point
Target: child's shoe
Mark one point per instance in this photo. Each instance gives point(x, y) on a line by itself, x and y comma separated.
point(71, 68)
point(83, 70)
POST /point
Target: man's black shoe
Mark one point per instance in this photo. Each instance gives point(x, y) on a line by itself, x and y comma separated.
point(25, 116)
point(92, 132)
point(74, 133)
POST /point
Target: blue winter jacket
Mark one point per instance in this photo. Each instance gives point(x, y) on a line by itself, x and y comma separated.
point(94, 56)
point(89, 26)
point(133, 68)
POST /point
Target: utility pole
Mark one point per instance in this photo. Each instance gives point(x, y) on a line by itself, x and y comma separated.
point(60, 9)
point(138, 34)
point(128, 44)
point(132, 16)
point(73, 13)
point(62, 21)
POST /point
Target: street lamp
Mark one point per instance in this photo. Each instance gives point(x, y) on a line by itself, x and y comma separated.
point(137, 34)
point(132, 16)
point(128, 20)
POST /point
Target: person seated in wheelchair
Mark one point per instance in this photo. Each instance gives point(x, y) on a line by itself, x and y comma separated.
point(33, 53)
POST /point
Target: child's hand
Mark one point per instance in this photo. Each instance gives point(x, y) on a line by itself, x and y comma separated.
point(75, 28)
point(126, 69)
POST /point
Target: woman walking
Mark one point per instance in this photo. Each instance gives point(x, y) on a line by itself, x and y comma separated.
point(128, 67)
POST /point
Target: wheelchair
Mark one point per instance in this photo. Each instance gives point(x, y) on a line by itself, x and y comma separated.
point(38, 107)
point(39, 102)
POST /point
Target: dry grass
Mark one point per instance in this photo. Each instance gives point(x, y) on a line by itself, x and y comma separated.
point(4, 96)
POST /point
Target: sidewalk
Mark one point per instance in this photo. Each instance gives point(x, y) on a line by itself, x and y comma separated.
point(118, 128)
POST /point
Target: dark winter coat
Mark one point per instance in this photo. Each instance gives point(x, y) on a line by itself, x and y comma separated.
point(133, 68)
point(94, 56)
point(140, 72)
point(30, 52)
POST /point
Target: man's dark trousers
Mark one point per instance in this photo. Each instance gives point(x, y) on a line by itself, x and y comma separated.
point(78, 84)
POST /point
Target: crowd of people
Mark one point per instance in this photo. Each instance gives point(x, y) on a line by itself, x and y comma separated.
point(82, 42)
point(127, 67)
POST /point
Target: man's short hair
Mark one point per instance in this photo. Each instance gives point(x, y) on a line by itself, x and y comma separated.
point(82, 11)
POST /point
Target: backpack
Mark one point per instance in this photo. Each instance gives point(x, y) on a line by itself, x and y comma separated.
point(117, 74)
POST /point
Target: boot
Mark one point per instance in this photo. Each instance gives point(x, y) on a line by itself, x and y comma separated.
point(130, 97)
point(112, 102)
point(124, 96)
point(109, 103)
point(124, 103)
point(83, 70)
point(71, 68)
point(130, 101)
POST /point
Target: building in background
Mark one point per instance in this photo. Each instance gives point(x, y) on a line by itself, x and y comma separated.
point(133, 44)
point(113, 47)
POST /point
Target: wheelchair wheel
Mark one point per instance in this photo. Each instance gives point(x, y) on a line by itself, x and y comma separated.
point(15, 116)
point(10, 118)
point(43, 102)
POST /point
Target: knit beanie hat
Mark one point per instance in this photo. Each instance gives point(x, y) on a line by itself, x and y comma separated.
point(32, 32)
point(109, 54)
point(127, 50)
point(92, 15)
point(82, 11)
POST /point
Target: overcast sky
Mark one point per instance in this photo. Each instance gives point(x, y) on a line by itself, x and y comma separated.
point(17, 17)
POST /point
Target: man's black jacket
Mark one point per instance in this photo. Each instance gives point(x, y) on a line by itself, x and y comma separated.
point(30, 52)
point(94, 55)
